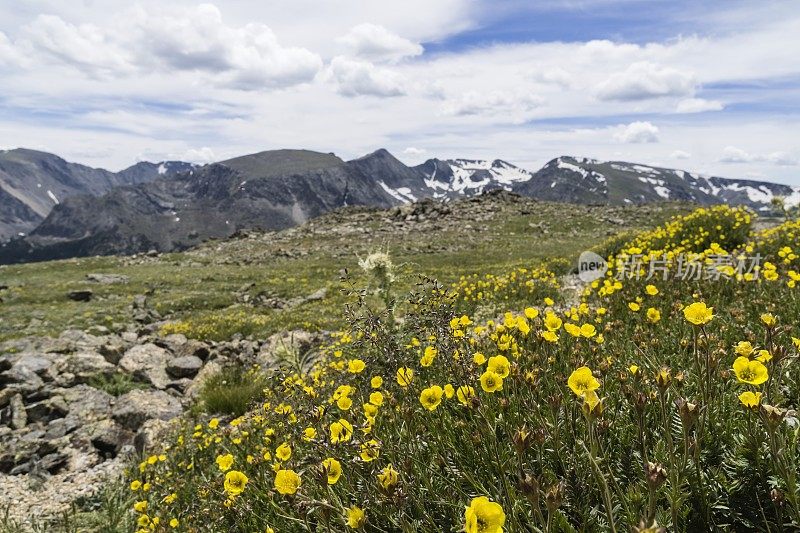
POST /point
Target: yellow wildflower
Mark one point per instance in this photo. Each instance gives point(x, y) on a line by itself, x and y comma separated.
point(484, 516)
point(752, 372)
point(491, 382)
point(404, 376)
point(698, 313)
point(356, 517)
point(582, 380)
point(224, 462)
point(388, 477)
point(431, 397)
point(235, 482)
point(287, 481)
point(333, 469)
point(750, 399)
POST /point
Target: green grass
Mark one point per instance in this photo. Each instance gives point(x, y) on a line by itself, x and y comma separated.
point(231, 392)
point(116, 384)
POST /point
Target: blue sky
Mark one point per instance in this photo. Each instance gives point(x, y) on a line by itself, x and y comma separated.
point(712, 87)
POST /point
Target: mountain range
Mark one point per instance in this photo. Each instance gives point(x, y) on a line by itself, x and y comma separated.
point(68, 210)
point(33, 182)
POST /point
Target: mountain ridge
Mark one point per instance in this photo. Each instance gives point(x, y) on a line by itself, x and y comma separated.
point(173, 206)
point(32, 182)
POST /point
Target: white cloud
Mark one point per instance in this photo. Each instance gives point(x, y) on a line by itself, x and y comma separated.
point(375, 43)
point(732, 154)
point(782, 159)
point(247, 57)
point(193, 39)
point(85, 47)
point(515, 106)
point(643, 80)
point(8, 54)
point(411, 150)
point(354, 77)
point(556, 76)
point(637, 132)
point(698, 105)
point(174, 93)
point(199, 155)
point(680, 154)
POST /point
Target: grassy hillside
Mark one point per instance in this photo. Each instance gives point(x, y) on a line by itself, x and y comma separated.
point(215, 285)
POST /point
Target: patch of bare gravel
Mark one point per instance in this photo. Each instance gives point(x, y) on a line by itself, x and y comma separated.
point(31, 497)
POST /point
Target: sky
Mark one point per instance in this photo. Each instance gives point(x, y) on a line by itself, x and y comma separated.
point(712, 86)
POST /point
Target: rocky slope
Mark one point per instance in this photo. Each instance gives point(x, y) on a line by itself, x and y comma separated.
point(33, 182)
point(64, 432)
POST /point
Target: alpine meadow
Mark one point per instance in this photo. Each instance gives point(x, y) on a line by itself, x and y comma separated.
point(547, 282)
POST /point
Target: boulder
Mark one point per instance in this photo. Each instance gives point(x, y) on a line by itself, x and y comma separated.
point(60, 427)
point(21, 379)
point(282, 345)
point(195, 348)
point(37, 364)
point(184, 367)
point(151, 435)
point(113, 350)
point(172, 342)
point(86, 404)
point(80, 295)
point(107, 279)
point(108, 437)
point(47, 410)
point(147, 362)
point(19, 418)
point(133, 409)
point(85, 365)
point(211, 368)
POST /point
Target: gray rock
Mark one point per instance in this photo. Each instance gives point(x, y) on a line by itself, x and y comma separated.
point(85, 365)
point(61, 427)
point(37, 364)
point(113, 350)
point(75, 339)
point(86, 404)
point(194, 348)
point(5, 396)
point(148, 362)
point(133, 409)
point(286, 344)
point(211, 368)
point(184, 367)
point(172, 342)
point(80, 295)
point(21, 379)
point(47, 410)
point(129, 336)
point(107, 279)
point(19, 418)
point(52, 463)
point(151, 435)
point(109, 437)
